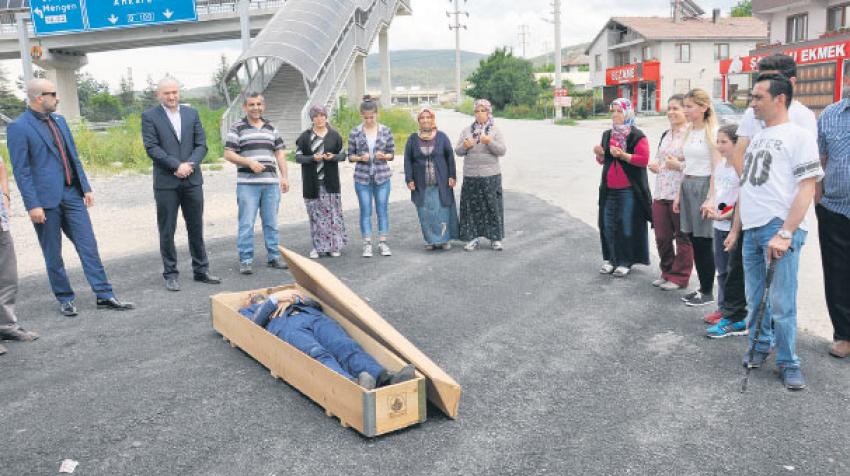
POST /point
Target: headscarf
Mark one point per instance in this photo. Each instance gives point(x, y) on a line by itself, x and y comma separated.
point(428, 135)
point(619, 132)
point(479, 129)
point(317, 109)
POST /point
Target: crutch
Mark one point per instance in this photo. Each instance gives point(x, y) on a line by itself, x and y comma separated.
point(759, 318)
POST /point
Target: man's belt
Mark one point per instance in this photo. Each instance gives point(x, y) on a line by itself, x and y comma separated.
point(247, 170)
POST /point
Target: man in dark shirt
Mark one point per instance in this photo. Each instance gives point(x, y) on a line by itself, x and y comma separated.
point(57, 194)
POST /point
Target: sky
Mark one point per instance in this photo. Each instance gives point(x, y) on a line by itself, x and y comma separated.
point(491, 24)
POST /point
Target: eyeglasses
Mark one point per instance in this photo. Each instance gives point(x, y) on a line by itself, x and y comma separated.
point(50, 93)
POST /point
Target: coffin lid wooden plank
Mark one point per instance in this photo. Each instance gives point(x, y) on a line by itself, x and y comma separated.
point(443, 391)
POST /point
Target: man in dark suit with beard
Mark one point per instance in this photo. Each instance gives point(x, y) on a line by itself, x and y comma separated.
point(175, 141)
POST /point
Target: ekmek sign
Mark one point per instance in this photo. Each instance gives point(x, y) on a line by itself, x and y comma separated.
point(51, 17)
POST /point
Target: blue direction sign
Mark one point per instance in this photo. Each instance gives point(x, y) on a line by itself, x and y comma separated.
point(57, 16)
point(52, 17)
point(128, 13)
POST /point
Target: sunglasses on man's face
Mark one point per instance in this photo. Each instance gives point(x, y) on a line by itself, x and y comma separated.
point(51, 93)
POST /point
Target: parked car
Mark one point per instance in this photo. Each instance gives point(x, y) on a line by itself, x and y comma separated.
point(727, 113)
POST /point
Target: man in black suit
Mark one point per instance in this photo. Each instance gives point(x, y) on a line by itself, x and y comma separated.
point(175, 141)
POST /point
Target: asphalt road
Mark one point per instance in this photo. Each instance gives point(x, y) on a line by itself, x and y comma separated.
point(564, 371)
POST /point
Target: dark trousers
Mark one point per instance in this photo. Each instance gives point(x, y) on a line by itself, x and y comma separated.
point(734, 306)
point(72, 218)
point(834, 234)
point(677, 261)
point(704, 261)
point(189, 198)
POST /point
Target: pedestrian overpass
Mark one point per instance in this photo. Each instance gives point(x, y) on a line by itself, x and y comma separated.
point(303, 52)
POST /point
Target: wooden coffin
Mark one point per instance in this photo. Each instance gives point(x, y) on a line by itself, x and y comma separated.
point(443, 391)
point(370, 412)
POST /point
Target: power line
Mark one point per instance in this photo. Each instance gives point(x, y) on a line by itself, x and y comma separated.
point(524, 33)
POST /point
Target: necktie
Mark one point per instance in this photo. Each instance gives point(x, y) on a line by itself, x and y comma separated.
point(61, 146)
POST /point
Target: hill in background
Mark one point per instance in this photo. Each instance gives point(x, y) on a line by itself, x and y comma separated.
point(567, 53)
point(428, 69)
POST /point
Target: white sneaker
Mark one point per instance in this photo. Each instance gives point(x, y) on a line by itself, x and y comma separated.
point(314, 254)
point(497, 245)
point(607, 268)
point(367, 249)
point(658, 282)
point(446, 246)
point(669, 286)
point(429, 247)
point(472, 245)
point(622, 271)
point(336, 254)
point(384, 248)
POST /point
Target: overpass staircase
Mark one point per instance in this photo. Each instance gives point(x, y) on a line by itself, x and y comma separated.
point(303, 57)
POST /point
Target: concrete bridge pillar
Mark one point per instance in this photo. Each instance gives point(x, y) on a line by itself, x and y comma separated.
point(386, 81)
point(62, 69)
point(357, 82)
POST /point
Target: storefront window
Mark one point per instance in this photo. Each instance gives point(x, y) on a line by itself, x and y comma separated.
point(815, 86)
point(683, 52)
point(797, 28)
point(836, 17)
point(622, 58)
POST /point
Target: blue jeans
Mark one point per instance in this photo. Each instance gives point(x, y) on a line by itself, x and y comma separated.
point(781, 307)
point(619, 207)
point(322, 338)
point(721, 262)
point(252, 198)
point(381, 194)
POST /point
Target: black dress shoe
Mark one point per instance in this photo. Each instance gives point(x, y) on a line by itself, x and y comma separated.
point(68, 309)
point(207, 279)
point(19, 334)
point(114, 304)
point(172, 284)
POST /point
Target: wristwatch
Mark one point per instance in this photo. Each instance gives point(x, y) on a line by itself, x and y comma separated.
point(784, 234)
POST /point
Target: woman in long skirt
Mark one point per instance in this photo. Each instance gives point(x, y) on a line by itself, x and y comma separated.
point(430, 173)
point(319, 151)
point(624, 200)
point(482, 212)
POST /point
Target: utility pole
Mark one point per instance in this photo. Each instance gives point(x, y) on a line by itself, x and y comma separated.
point(24, 43)
point(456, 26)
point(558, 83)
point(524, 33)
point(245, 24)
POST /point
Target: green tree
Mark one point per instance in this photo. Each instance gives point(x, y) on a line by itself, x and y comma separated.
point(88, 87)
point(505, 80)
point(744, 8)
point(218, 97)
point(126, 90)
point(104, 107)
point(148, 98)
point(10, 105)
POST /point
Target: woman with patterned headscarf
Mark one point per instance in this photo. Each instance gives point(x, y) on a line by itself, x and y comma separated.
point(625, 204)
point(319, 151)
point(430, 174)
point(482, 211)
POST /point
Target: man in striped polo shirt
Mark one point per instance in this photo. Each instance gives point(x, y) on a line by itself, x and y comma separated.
point(833, 211)
point(257, 150)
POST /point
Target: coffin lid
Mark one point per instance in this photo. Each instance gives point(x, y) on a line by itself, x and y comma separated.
point(443, 391)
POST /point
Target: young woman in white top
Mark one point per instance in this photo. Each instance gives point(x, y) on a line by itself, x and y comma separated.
point(694, 202)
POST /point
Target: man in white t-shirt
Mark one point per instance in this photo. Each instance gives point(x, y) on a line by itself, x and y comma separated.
point(781, 169)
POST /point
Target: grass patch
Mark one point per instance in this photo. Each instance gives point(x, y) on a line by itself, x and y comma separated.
point(566, 121)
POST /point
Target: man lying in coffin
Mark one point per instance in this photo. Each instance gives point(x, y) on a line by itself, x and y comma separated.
point(300, 322)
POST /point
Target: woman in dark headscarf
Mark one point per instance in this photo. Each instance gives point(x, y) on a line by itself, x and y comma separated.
point(481, 209)
point(319, 150)
point(429, 170)
point(625, 204)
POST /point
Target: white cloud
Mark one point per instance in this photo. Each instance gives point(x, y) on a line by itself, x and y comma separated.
point(491, 24)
